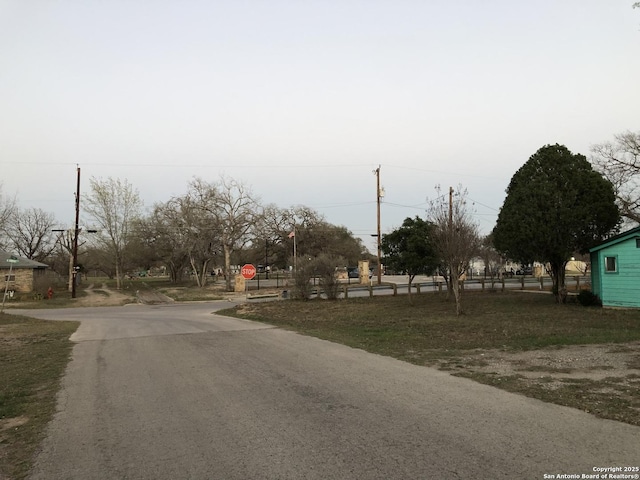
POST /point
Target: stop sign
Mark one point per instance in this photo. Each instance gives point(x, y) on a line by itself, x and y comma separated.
point(248, 271)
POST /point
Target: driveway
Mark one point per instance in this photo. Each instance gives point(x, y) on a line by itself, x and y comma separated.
point(176, 391)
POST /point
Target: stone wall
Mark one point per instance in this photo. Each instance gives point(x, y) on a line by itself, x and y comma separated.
point(22, 281)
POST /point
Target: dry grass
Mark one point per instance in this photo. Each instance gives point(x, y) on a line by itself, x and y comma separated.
point(33, 355)
point(587, 358)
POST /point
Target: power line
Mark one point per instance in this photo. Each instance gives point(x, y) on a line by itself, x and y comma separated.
point(482, 204)
point(457, 174)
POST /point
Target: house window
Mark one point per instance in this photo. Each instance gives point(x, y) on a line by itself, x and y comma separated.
point(611, 264)
point(10, 278)
point(637, 242)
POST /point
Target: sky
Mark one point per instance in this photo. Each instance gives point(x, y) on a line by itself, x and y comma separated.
point(303, 100)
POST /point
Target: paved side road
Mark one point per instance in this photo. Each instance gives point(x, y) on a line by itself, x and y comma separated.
point(173, 392)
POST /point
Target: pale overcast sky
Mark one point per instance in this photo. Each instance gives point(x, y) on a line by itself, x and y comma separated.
point(302, 100)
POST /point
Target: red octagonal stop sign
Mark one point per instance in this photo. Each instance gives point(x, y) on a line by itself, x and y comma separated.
point(248, 271)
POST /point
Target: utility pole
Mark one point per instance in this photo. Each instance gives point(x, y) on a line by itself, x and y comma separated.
point(450, 210)
point(75, 239)
point(266, 258)
point(378, 197)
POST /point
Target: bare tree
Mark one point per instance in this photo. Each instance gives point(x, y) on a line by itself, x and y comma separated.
point(165, 233)
point(272, 227)
point(455, 237)
point(114, 205)
point(7, 209)
point(62, 253)
point(30, 233)
point(200, 233)
point(619, 162)
point(233, 211)
point(492, 260)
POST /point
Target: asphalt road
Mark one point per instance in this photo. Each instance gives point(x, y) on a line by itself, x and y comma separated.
point(177, 392)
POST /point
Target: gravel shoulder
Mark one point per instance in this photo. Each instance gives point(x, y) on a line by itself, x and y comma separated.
point(592, 362)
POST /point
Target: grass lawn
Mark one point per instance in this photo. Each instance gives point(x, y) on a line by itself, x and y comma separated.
point(427, 332)
point(33, 357)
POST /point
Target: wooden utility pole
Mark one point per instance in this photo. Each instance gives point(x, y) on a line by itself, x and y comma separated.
point(450, 209)
point(76, 231)
point(378, 197)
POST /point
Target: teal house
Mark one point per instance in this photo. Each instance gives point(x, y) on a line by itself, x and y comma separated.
point(615, 270)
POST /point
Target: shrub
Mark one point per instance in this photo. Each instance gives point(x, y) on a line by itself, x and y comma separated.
point(302, 280)
point(325, 268)
point(587, 298)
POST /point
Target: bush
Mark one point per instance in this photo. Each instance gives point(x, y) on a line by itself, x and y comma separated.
point(587, 298)
point(325, 267)
point(302, 280)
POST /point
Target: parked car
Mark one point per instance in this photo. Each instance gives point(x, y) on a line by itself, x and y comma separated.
point(524, 270)
point(353, 272)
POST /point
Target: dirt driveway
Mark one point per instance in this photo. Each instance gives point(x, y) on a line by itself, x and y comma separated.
point(103, 296)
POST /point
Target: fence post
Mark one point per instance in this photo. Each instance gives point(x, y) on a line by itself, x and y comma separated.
point(482, 283)
point(541, 282)
point(577, 283)
point(503, 284)
point(370, 291)
point(418, 288)
point(522, 282)
point(395, 289)
point(346, 292)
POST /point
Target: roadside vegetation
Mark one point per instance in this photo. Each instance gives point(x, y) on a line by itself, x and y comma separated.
point(428, 332)
point(33, 354)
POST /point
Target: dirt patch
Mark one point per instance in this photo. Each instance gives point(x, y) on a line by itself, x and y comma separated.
point(15, 422)
point(590, 362)
point(103, 296)
point(153, 298)
point(600, 379)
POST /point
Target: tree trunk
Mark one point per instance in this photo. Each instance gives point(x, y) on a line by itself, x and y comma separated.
point(193, 267)
point(118, 274)
point(71, 273)
point(559, 288)
point(455, 287)
point(203, 275)
point(227, 267)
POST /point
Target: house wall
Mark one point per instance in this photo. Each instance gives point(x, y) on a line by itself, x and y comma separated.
point(23, 282)
point(596, 274)
point(621, 288)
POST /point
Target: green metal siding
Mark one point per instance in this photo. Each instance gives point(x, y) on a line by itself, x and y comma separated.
point(621, 288)
point(596, 274)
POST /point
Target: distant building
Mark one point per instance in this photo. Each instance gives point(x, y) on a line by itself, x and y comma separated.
point(25, 273)
point(615, 270)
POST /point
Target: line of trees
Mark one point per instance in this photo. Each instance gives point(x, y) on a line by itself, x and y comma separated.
point(213, 225)
point(558, 204)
